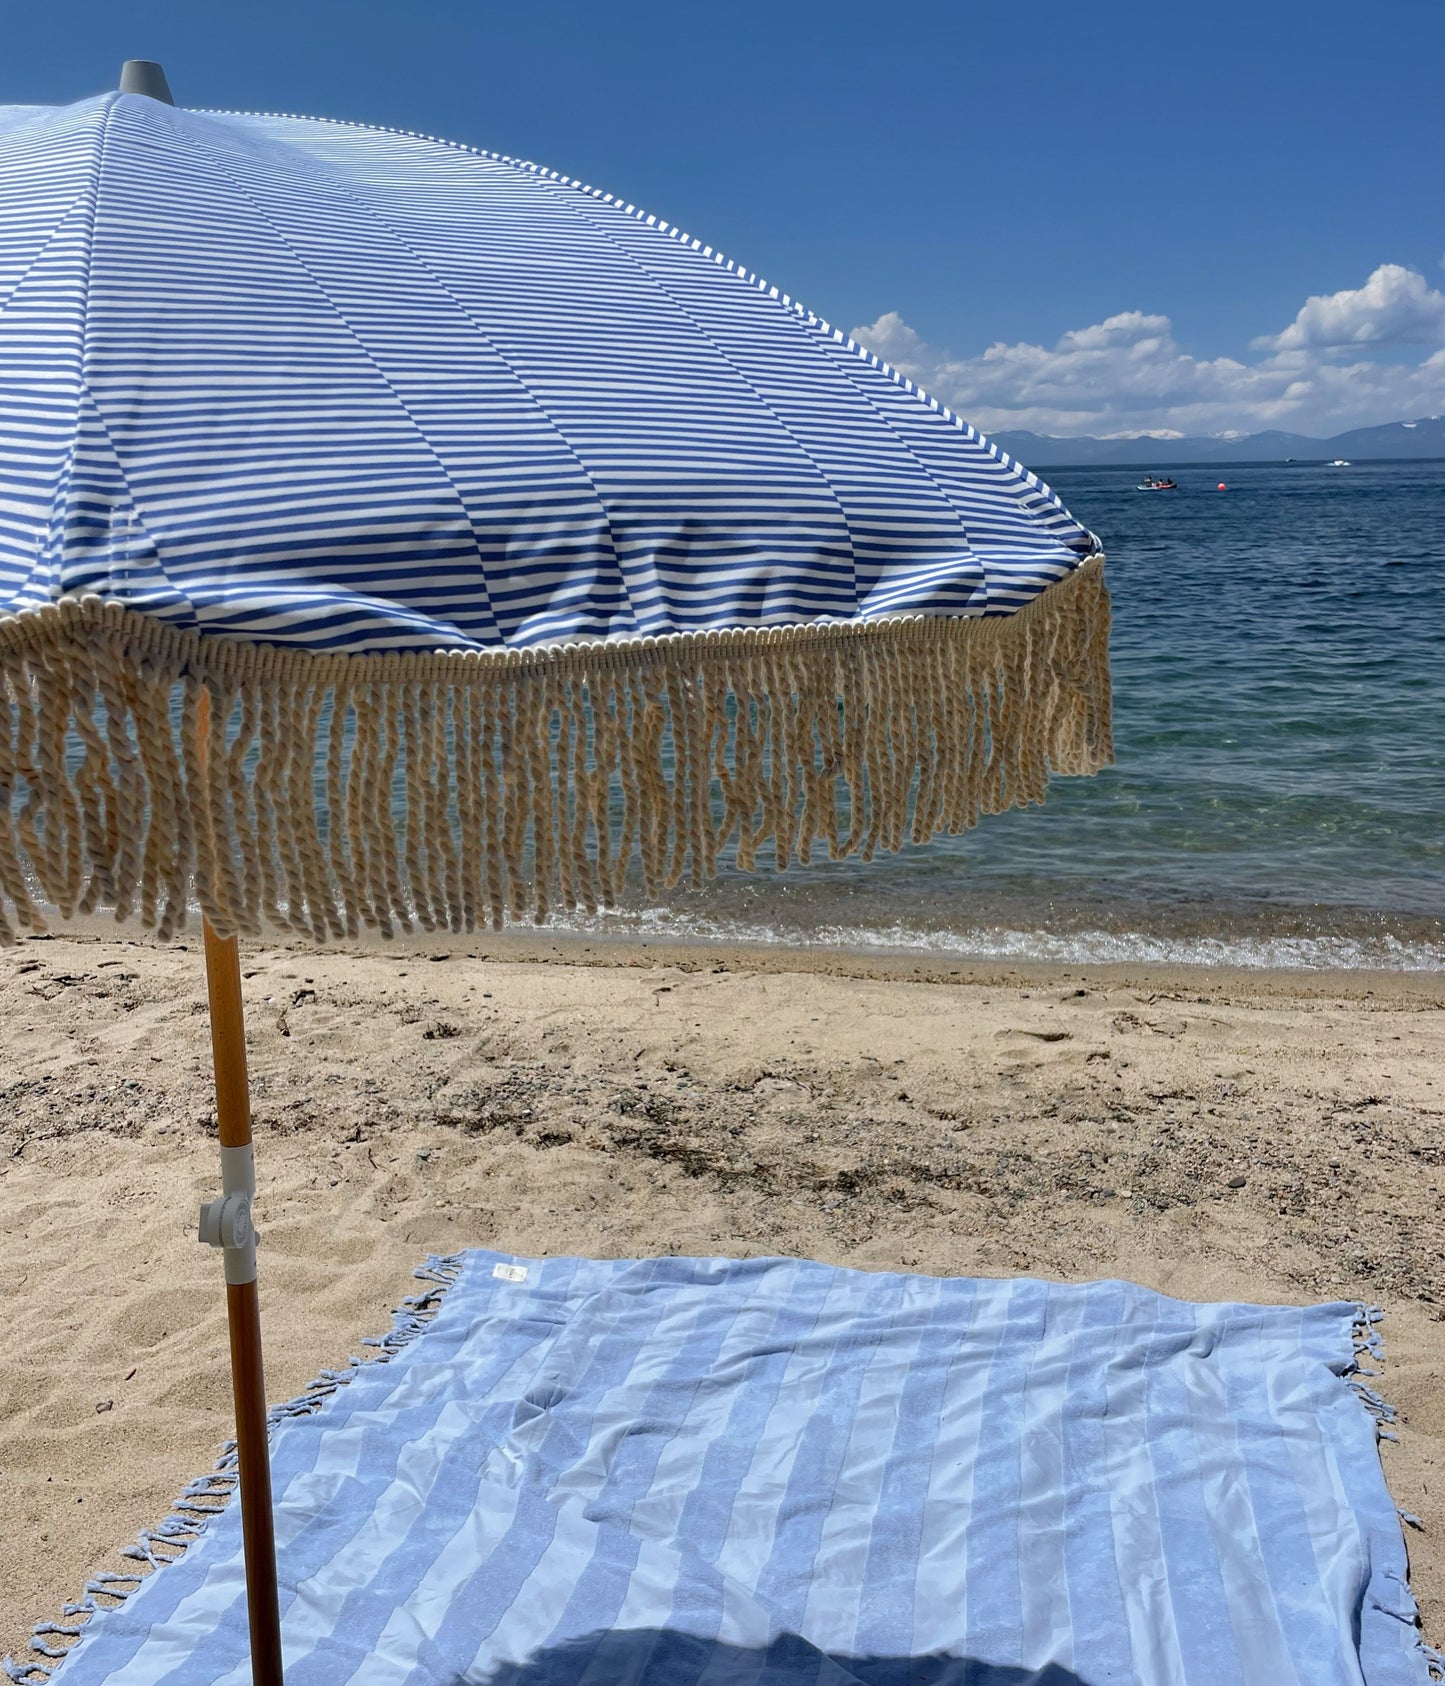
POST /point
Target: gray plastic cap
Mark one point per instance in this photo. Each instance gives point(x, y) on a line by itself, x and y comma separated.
point(145, 76)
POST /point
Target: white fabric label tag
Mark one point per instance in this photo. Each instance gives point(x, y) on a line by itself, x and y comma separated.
point(510, 1273)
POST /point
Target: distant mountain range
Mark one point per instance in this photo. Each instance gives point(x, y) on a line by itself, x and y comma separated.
point(1422, 438)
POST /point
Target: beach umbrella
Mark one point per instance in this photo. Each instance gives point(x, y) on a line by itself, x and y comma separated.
point(394, 533)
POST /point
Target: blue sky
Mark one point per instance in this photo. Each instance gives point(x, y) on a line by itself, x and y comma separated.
point(1130, 204)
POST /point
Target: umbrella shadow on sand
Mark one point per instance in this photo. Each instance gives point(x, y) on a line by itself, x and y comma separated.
point(654, 1657)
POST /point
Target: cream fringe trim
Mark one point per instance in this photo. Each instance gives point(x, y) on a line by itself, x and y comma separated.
point(339, 792)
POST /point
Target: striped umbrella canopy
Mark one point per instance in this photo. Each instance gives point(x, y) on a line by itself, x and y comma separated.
point(393, 532)
point(545, 533)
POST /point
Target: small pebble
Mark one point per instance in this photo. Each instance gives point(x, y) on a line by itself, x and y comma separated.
point(104, 1404)
point(1238, 1182)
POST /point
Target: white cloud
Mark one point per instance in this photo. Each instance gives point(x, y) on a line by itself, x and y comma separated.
point(1396, 306)
point(1128, 375)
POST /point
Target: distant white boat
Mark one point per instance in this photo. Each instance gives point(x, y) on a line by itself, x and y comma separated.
point(1339, 462)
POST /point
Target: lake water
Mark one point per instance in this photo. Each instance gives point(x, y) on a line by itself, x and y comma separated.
point(1279, 795)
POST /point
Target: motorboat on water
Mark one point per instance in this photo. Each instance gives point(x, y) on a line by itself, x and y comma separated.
point(1339, 462)
point(1151, 483)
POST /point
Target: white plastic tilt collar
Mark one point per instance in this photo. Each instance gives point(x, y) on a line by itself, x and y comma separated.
point(226, 1223)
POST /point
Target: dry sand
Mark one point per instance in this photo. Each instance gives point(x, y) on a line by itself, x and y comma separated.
point(1214, 1135)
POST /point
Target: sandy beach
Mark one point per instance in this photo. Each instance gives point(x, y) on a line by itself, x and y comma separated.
point(1261, 1136)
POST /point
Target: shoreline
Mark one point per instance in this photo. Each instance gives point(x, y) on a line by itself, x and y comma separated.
point(789, 918)
point(540, 1093)
point(543, 945)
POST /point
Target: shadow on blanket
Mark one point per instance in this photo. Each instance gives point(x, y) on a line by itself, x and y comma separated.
point(653, 1657)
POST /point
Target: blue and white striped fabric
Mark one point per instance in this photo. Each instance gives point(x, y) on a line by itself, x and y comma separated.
point(698, 1472)
point(305, 383)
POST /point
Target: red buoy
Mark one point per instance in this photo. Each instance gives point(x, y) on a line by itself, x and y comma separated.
point(1223, 487)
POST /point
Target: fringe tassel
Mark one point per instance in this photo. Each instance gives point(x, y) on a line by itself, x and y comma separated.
point(1369, 1343)
point(208, 1495)
point(451, 790)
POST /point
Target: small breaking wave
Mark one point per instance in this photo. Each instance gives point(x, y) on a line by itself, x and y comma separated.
point(1383, 952)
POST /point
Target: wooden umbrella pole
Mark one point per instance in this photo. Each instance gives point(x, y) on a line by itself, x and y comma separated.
point(227, 1223)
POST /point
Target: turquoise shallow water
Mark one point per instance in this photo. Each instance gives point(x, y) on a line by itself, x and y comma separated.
point(1279, 673)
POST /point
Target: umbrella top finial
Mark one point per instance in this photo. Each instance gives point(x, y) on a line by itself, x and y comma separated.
point(145, 76)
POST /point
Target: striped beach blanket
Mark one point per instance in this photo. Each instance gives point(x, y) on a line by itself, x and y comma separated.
point(701, 1472)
